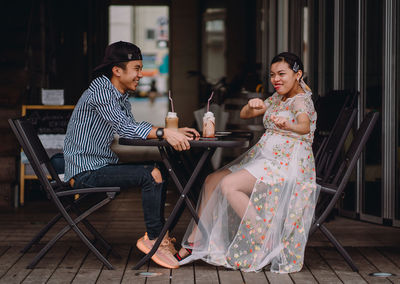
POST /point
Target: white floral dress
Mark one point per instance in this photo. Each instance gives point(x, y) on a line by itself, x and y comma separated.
point(275, 227)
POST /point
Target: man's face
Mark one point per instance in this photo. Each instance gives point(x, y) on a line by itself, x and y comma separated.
point(128, 79)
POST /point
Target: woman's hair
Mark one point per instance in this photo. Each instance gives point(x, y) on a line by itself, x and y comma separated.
point(290, 58)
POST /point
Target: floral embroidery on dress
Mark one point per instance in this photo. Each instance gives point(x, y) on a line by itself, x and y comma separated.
point(275, 226)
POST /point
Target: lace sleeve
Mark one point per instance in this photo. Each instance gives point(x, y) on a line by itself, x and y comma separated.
point(303, 104)
point(269, 101)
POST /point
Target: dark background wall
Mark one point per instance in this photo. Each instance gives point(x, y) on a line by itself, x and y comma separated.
point(56, 44)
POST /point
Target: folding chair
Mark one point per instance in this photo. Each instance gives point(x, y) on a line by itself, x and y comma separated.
point(62, 196)
point(349, 102)
point(327, 155)
point(335, 188)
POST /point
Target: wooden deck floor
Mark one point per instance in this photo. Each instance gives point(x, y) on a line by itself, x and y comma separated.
point(374, 248)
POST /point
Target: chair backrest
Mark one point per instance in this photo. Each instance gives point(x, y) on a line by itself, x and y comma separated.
point(330, 151)
point(36, 154)
point(353, 153)
point(344, 171)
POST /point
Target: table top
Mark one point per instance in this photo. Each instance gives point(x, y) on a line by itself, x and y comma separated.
point(226, 139)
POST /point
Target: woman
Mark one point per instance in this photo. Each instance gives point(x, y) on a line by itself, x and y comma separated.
point(259, 210)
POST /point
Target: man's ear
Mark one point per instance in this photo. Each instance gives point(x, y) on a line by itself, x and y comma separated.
point(116, 71)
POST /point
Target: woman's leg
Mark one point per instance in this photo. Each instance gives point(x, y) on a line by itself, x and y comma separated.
point(237, 188)
point(210, 184)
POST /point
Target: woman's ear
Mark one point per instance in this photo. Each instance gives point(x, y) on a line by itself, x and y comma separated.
point(299, 74)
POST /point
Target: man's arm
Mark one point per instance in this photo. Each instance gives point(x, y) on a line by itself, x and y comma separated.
point(179, 140)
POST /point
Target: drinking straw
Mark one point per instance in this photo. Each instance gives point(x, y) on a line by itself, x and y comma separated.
point(170, 98)
point(208, 104)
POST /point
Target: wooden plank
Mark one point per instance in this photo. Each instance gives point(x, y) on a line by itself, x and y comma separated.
point(115, 276)
point(3, 249)
point(69, 266)
point(392, 253)
point(89, 271)
point(18, 271)
point(164, 277)
point(275, 278)
point(228, 276)
point(319, 268)
point(45, 268)
point(9, 258)
point(183, 275)
point(340, 266)
point(205, 273)
point(365, 267)
point(254, 277)
point(303, 276)
point(130, 275)
point(382, 263)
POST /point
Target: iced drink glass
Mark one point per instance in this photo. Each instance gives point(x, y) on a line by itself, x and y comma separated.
point(171, 120)
point(209, 125)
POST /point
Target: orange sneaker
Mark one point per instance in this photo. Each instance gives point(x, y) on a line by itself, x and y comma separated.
point(164, 256)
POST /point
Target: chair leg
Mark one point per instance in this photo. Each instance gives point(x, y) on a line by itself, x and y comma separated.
point(74, 226)
point(339, 247)
point(41, 233)
point(46, 228)
point(96, 234)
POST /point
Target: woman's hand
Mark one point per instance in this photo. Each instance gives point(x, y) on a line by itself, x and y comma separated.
point(257, 104)
point(255, 107)
point(190, 133)
point(301, 127)
point(281, 122)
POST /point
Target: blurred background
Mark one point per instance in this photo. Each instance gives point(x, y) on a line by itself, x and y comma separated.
point(194, 47)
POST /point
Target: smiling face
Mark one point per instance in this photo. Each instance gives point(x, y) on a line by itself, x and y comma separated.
point(284, 79)
point(127, 79)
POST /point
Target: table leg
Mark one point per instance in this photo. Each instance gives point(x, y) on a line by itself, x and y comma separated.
point(179, 203)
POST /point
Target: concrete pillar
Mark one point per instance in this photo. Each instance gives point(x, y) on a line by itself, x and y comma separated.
point(184, 56)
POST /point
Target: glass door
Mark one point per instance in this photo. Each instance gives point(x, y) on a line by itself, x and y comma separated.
point(371, 187)
point(397, 90)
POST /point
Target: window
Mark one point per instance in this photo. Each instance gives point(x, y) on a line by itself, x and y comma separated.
point(150, 34)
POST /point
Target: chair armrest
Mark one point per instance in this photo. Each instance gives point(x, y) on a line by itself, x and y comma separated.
point(328, 188)
point(87, 190)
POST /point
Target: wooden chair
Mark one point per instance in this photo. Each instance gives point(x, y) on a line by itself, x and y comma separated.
point(335, 188)
point(62, 195)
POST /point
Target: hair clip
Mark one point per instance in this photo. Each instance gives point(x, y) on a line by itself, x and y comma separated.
point(295, 67)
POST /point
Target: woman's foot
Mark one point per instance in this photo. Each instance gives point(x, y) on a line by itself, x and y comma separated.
point(184, 256)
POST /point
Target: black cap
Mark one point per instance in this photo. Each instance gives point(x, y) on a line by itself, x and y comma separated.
point(117, 52)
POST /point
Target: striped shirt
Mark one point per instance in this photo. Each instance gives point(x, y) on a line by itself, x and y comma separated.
point(101, 112)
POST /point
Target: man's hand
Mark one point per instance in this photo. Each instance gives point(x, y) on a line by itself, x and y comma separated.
point(176, 139)
point(190, 133)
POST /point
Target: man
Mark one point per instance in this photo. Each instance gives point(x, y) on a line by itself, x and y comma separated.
point(104, 110)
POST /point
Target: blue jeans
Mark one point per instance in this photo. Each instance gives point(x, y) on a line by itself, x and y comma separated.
point(128, 176)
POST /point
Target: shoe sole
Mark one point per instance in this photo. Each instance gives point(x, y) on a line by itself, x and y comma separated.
point(187, 260)
point(157, 260)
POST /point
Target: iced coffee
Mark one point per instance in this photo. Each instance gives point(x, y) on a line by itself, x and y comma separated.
point(171, 120)
point(208, 125)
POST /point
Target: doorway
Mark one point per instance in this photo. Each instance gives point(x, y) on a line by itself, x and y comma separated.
point(148, 28)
